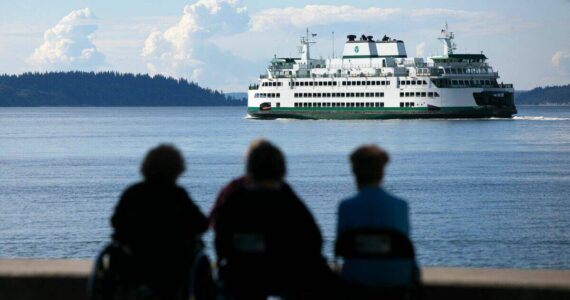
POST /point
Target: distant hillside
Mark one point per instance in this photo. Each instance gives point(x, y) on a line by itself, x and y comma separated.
point(237, 96)
point(105, 89)
point(550, 95)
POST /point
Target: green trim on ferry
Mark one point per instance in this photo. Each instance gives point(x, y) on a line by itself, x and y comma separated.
point(369, 109)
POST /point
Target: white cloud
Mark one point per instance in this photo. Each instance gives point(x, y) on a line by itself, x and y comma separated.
point(561, 62)
point(312, 15)
point(185, 49)
point(69, 44)
point(420, 49)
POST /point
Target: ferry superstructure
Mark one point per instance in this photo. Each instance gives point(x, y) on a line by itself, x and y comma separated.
point(375, 79)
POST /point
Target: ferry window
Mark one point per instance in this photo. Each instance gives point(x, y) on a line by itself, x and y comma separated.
point(418, 94)
point(411, 104)
point(388, 82)
point(381, 94)
point(425, 82)
point(352, 105)
point(358, 95)
point(278, 95)
point(373, 82)
point(407, 94)
point(436, 94)
point(278, 104)
point(344, 83)
point(403, 82)
point(401, 104)
point(309, 95)
point(401, 94)
point(407, 104)
point(358, 83)
point(296, 83)
point(343, 95)
point(430, 94)
point(351, 95)
point(383, 82)
point(454, 82)
point(413, 82)
point(377, 104)
point(381, 104)
point(334, 82)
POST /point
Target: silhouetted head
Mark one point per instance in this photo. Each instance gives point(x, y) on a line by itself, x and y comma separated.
point(265, 163)
point(163, 164)
point(368, 162)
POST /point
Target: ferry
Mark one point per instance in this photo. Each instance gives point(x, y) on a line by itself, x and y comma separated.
point(375, 79)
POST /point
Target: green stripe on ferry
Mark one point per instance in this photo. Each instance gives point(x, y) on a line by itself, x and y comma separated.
point(281, 109)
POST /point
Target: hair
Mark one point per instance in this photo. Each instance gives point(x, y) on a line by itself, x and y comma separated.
point(368, 162)
point(265, 162)
point(163, 163)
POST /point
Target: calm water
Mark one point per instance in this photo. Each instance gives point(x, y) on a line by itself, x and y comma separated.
point(483, 193)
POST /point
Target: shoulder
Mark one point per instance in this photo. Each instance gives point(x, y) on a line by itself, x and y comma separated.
point(395, 200)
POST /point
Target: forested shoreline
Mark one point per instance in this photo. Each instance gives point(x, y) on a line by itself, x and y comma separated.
point(106, 89)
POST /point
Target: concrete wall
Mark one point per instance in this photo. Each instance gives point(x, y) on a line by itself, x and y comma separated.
point(67, 279)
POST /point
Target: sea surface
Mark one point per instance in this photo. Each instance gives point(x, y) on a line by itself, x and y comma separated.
point(482, 193)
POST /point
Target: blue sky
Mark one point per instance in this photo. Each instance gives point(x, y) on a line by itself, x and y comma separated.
point(225, 44)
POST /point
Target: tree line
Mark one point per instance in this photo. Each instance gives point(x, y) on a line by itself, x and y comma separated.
point(106, 89)
point(559, 95)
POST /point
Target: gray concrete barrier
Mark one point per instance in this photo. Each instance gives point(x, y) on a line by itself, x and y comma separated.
point(67, 279)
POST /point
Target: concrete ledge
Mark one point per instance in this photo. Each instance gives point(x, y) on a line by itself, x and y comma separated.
point(67, 279)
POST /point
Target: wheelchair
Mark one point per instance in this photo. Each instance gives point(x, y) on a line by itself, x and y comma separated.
point(121, 273)
point(378, 264)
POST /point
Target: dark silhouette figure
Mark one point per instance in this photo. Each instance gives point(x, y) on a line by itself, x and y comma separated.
point(267, 241)
point(372, 210)
point(236, 184)
point(159, 223)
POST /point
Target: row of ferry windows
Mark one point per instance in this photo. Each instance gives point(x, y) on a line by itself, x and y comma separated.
point(470, 82)
point(276, 83)
point(413, 82)
point(267, 95)
point(419, 94)
point(339, 104)
point(337, 95)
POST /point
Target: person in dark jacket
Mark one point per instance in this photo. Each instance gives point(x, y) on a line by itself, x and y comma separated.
point(265, 207)
point(158, 221)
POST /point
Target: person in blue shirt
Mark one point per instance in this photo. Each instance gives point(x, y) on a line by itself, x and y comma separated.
point(374, 208)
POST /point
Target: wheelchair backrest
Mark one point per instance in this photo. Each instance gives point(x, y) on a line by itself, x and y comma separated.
point(374, 243)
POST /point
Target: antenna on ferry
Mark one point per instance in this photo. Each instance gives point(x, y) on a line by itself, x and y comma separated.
point(447, 40)
point(306, 45)
point(333, 44)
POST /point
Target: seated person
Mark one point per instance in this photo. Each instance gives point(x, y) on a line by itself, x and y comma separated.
point(290, 261)
point(159, 223)
point(374, 208)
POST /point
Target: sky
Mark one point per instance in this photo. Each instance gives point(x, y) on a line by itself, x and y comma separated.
point(226, 44)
